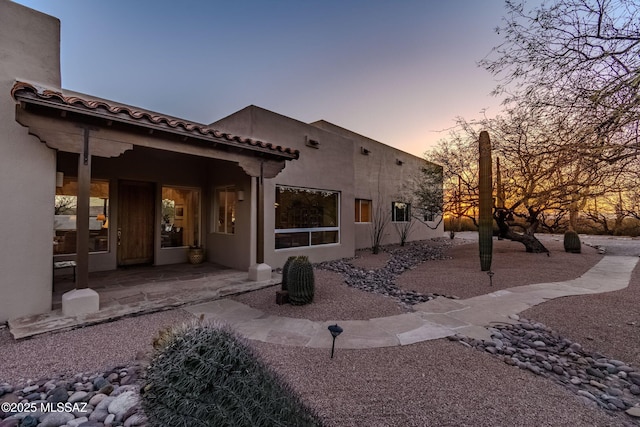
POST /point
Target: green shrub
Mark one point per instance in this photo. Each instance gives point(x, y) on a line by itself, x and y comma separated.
point(301, 281)
point(203, 374)
point(572, 242)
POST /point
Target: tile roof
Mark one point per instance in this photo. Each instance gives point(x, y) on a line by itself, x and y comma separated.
point(109, 109)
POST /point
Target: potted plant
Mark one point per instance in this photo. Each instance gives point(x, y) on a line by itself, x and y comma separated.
point(196, 254)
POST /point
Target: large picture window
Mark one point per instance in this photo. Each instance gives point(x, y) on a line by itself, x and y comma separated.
point(65, 211)
point(180, 217)
point(306, 217)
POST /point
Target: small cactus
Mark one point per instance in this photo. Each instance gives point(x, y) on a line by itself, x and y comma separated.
point(572, 242)
point(285, 273)
point(301, 281)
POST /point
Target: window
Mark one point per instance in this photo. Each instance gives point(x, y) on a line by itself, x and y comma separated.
point(226, 201)
point(429, 215)
point(400, 212)
point(180, 217)
point(64, 218)
point(306, 217)
point(363, 210)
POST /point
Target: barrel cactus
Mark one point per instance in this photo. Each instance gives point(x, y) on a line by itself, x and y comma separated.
point(203, 374)
point(285, 273)
point(485, 222)
point(572, 242)
point(301, 281)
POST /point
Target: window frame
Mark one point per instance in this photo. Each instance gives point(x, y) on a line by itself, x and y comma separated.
point(103, 238)
point(198, 211)
point(406, 216)
point(216, 209)
point(309, 230)
point(358, 211)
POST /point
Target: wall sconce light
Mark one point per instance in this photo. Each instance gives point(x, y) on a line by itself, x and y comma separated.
point(399, 162)
point(335, 331)
point(364, 151)
point(240, 195)
point(59, 179)
point(313, 143)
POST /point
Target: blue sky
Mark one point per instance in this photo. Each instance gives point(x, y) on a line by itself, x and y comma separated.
point(395, 71)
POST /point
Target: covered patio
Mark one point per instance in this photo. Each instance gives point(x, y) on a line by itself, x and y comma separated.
point(141, 289)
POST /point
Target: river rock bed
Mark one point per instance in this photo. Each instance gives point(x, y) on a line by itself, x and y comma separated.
point(599, 381)
point(85, 400)
point(382, 280)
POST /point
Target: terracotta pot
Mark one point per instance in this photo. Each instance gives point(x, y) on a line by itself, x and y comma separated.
point(196, 255)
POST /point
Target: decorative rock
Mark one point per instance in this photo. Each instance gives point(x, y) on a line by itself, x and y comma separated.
point(575, 380)
point(634, 412)
point(109, 420)
point(123, 403)
point(77, 422)
point(595, 372)
point(29, 421)
point(99, 382)
point(78, 396)
point(634, 389)
point(95, 400)
point(55, 419)
point(58, 395)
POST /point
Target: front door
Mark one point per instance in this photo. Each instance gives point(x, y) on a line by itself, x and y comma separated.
point(136, 218)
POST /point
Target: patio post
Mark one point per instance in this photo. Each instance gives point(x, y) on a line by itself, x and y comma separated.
point(82, 214)
point(82, 300)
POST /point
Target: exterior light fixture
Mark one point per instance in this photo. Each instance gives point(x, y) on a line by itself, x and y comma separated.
point(59, 179)
point(490, 274)
point(335, 331)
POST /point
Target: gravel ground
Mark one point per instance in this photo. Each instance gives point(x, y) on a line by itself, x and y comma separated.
point(434, 383)
point(333, 300)
point(90, 349)
point(461, 275)
point(431, 383)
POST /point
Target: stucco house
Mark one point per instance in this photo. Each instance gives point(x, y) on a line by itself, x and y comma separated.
point(110, 185)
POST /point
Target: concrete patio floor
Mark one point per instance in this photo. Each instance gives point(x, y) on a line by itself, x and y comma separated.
point(141, 289)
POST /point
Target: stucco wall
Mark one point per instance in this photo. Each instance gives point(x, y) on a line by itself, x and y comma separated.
point(329, 167)
point(232, 250)
point(338, 164)
point(29, 49)
point(379, 177)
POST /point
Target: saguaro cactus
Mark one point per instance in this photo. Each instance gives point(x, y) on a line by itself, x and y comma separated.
point(485, 223)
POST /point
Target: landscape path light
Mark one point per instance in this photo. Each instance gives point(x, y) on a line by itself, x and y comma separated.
point(335, 331)
point(490, 274)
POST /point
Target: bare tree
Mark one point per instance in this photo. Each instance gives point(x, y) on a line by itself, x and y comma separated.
point(544, 175)
point(576, 59)
point(380, 217)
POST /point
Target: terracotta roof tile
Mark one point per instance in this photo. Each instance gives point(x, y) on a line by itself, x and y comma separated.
point(142, 116)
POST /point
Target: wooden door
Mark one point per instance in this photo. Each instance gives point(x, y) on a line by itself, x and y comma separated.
point(136, 218)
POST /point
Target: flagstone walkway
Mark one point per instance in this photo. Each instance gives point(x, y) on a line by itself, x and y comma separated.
point(434, 319)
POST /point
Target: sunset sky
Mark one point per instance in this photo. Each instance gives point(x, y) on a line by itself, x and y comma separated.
point(399, 72)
